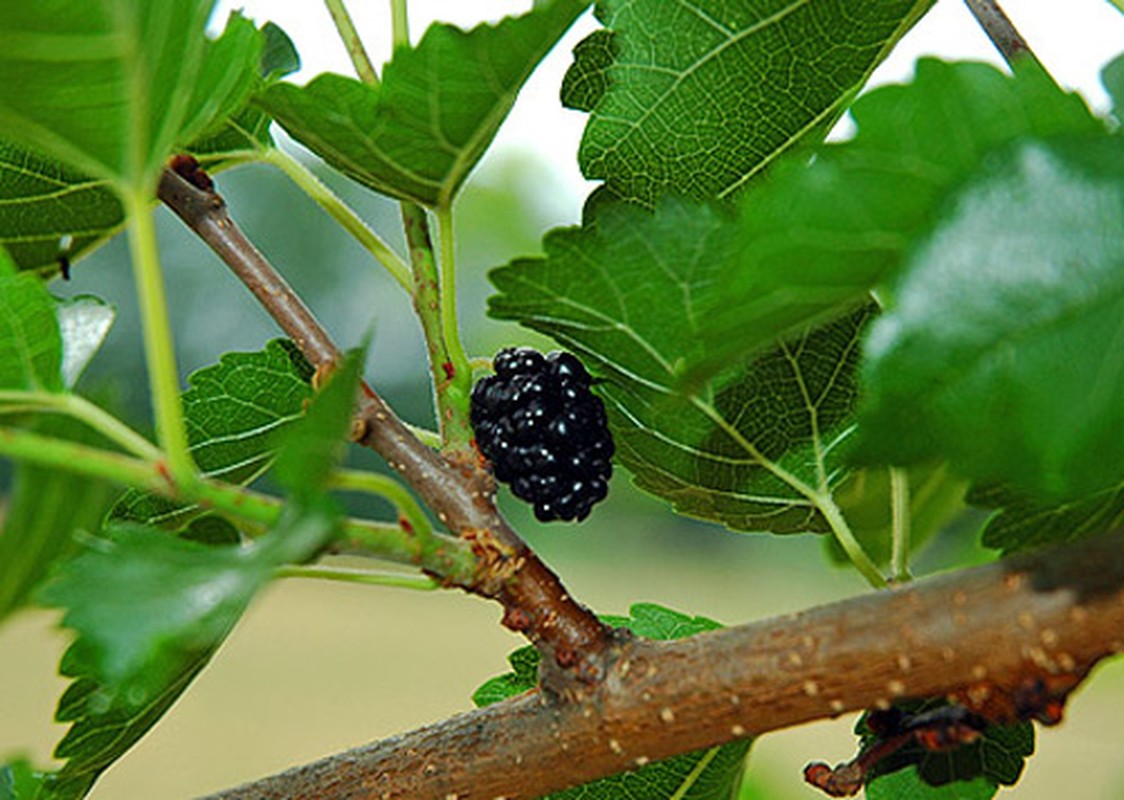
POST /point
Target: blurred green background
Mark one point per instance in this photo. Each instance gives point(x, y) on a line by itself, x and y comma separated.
point(315, 668)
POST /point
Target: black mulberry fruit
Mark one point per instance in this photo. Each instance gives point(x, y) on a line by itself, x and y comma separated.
point(544, 432)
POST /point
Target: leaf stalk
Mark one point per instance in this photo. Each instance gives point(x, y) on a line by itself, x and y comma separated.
point(83, 410)
point(350, 37)
point(899, 541)
point(159, 349)
point(342, 213)
point(369, 577)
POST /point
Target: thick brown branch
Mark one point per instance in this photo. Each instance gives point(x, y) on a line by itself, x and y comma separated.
point(982, 635)
point(462, 495)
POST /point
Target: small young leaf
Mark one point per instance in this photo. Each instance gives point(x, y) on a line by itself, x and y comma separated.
point(996, 348)
point(712, 774)
point(749, 446)
point(106, 721)
point(311, 448)
point(235, 410)
point(907, 785)
point(279, 57)
point(248, 130)
point(43, 201)
point(700, 97)
point(816, 238)
point(193, 595)
point(1024, 522)
point(654, 621)
point(112, 88)
point(84, 322)
point(30, 344)
point(1112, 76)
point(997, 756)
point(19, 780)
point(230, 71)
point(419, 134)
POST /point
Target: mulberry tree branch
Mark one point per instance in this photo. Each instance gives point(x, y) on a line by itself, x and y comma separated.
point(1000, 30)
point(459, 491)
point(999, 638)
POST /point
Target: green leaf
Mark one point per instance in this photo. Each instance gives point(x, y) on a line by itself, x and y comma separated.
point(419, 134)
point(113, 87)
point(751, 444)
point(816, 239)
point(132, 660)
point(193, 594)
point(654, 621)
point(248, 130)
point(45, 509)
point(230, 71)
point(587, 79)
point(84, 322)
point(712, 774)
point(997, 756)
point(106, 722)
point(235, 410)
point(30, 343)
point(702, 96)
point(279, 55)
point(311, 448)
point(211, 530)
point(19, 780)
point(1112, 76)
point(42, 202)
point(1024, 522)
point(996, 350)
point(935, 497)
point(906, 785)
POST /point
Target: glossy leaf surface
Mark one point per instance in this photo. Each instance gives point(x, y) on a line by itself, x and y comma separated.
point(984, 354)
point(815, 240)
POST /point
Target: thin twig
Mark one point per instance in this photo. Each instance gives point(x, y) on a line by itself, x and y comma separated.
point(205, 213)
point(999, 638)
point(575, 644)
point(1002, 32)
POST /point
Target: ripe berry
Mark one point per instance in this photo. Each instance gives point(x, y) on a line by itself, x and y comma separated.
point(544, 432)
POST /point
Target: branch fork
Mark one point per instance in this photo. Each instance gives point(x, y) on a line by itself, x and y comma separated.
point(575, 644)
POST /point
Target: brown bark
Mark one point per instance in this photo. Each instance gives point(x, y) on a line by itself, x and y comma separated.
point(1025, 630)
point(462, 495)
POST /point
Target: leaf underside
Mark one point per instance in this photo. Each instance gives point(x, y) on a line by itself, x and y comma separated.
point(235, 411)
point(113, 88)
point(1024, 522)
point(422, 130)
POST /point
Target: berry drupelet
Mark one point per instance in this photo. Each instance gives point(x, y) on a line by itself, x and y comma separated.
point(544, 432)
